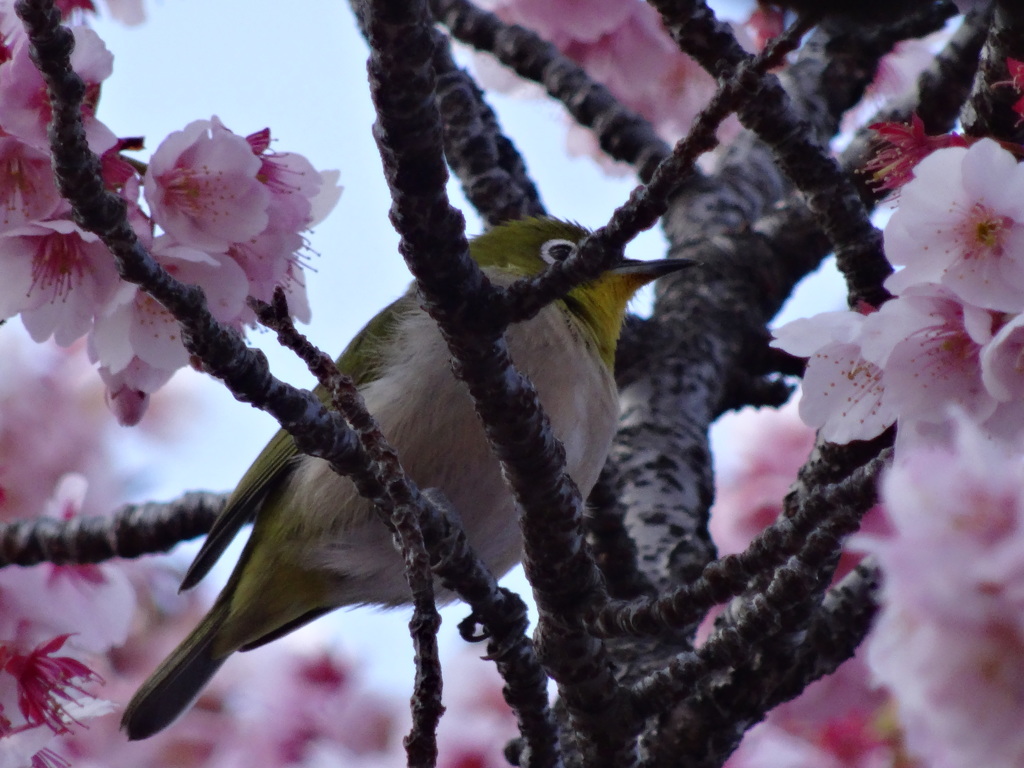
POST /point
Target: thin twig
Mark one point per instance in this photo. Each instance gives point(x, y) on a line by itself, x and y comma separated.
point(647, 202)
point(398, 501)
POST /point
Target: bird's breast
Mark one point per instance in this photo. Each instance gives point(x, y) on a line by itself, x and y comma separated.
point(428, 415)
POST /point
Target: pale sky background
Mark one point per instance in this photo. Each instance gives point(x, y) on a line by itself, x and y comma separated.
point(302, 73)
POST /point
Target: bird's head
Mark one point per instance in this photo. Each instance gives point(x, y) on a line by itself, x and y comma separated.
point(527, 247)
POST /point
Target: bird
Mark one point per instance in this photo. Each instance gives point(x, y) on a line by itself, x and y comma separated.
point(316, 545)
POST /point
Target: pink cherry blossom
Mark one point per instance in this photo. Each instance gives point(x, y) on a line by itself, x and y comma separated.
point(128, 185)
point(573, 20)
point(203, 189)
point(772, 445)
point(57, 276)
point(478, 722)
point(904, 146)
point(909, 362)
point(764, 23)
point(95, 602)
point(300, 196)
point(895, 78)
point(294, 286)
point(291, 180)
point(269, 261)
point(295, 183)
point(25, 107)
point(69, 7)
point(949, 642)
point(126, 403)
point(204, 735)
point(899, 69)
point(1016, 81)
point(326, 197)
point(848, 698)
point(45, 682)
point(29, 747)
point(1002, 361)
point(473, 740)
point(265, 260)
point(474, 685)
point(855, 740)
point(221, 279)
point(128, 389)
point(640, 63)
point(308, 701)
point(42, 697)
point(843, 392)
point(117, 171)
point(929, 345)
point(138, 343)
point(135, 325)
point(11, 30)
point(961, 223)
point(28, 191)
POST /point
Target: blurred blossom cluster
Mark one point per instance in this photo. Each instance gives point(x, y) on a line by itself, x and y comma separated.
point(290, 705)
point(55, 621)
point(844, 720)
point(949, 641)
point(216, 209)
point(77, 641)
point(748, 496)
point(940, 680)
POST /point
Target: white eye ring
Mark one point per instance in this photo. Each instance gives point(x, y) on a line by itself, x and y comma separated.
point(557, 250)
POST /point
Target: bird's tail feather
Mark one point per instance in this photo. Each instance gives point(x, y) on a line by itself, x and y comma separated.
point(176, 683)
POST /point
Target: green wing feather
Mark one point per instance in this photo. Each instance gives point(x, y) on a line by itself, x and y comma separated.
point(360, 361)
point(178, 680)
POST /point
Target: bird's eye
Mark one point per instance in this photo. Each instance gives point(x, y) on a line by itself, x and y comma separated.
point(557, 250)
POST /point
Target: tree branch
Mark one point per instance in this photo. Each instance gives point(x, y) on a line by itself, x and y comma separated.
point(132, 531)
point(492, 171)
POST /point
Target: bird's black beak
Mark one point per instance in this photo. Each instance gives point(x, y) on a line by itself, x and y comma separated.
point(652, 270)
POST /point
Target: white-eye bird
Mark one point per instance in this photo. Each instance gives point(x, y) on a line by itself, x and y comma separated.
point(316, 545)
